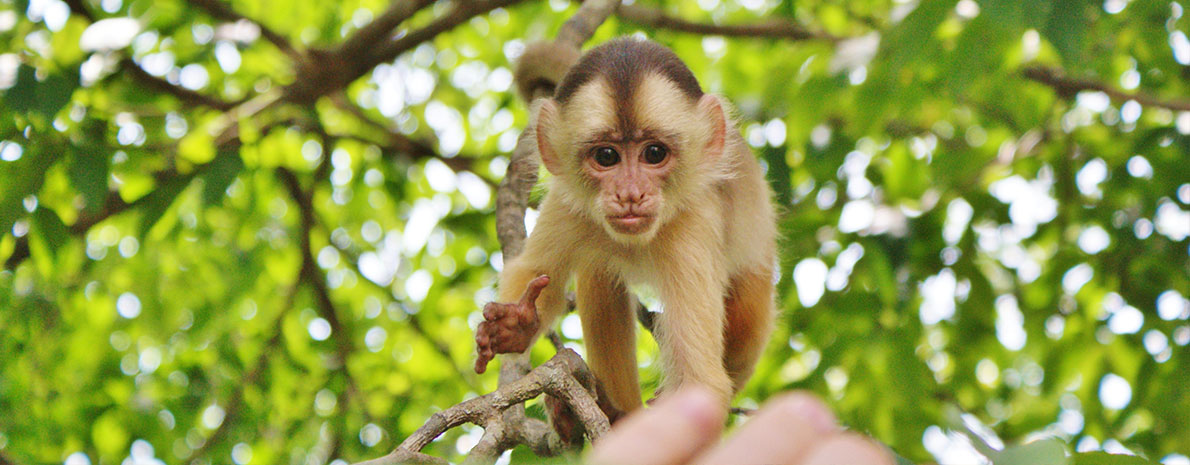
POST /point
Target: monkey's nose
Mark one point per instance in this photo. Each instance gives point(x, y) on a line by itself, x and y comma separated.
point(630, 197)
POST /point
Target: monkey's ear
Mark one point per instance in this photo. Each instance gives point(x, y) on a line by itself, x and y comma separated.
point(547, 111)
point(712, 109)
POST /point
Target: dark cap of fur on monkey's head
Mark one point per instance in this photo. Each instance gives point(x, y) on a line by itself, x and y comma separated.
point(623, 63)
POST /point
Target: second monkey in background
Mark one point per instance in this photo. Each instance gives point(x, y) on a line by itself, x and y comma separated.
point(652, 185)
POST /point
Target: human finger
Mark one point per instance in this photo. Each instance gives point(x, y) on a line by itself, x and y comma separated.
point(671, 432)
point(850, 449)
point(783, 431)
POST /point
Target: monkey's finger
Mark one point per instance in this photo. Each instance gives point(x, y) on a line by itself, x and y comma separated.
point(784, 431)
point(481, 363)
point(534, 289)
point(484, 332)
point(670, 433)
point(494, 311)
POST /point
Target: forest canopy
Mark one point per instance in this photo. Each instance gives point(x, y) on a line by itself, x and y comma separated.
point(262, 231)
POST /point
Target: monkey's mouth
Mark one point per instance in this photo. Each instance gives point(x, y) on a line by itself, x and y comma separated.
point(630, 223)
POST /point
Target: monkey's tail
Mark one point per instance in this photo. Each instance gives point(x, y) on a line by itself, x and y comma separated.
point(542, 67)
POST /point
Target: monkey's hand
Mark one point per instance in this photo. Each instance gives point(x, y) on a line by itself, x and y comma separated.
point(509, 328)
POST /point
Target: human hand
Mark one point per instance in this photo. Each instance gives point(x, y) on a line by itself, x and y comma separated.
point(683, 429)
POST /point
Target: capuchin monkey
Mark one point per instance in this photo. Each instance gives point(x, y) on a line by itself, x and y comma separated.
point(652, 185)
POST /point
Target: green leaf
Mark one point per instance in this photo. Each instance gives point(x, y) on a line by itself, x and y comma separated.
point(778, 174)
point(980, 45)
point(22, 97)
point(1067, 28)
point(901, 460)
point(50, 228)
point(905, 177)
point(1104, 458)
point(22, 179)
point(89, 173)
point(45, 97)
point(905, 42)
point(155, 203)
point(1045, 452)
point(109, 434)
point(220, 173)
point(198, 147)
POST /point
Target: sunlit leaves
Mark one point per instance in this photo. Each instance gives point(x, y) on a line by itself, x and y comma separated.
point(953, 234)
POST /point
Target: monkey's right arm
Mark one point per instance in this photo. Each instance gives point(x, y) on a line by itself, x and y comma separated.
point(509, 327)
point(530, 296)
point(512, 327)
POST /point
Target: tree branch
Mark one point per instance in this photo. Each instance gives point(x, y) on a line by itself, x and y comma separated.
point(218, 10)
point(1068, 87)
point(398, 142)
point(564, 376)
point(325, 71)
point(311, 276)
point(113, 205)
point(317, 282)
point(183, 94)
point(233, 403)
point(776, 29)
point(381, 28)
point(462, 12)
point(512, 196)
point(153, 82)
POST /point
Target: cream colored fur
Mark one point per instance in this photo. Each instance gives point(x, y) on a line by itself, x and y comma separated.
point(711, 252)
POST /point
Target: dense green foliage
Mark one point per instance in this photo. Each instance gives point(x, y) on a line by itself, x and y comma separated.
point(984, 216)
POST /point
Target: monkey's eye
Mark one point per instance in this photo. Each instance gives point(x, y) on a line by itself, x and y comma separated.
point(655, 154)
point(606, 156)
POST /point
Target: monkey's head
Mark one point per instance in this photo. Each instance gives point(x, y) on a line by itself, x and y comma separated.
point(631, 139)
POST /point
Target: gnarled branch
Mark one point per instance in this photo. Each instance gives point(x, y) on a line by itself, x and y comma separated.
point(564, 376)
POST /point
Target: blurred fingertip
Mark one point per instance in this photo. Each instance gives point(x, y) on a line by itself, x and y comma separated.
point(809, 408)
point(850, 449)
point(697, 404)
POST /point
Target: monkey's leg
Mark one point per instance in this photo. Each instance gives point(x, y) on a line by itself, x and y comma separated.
point(690, 331)
point(609, 334)
point(750, 312)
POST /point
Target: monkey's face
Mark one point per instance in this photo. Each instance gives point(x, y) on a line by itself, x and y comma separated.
point(629, 178)
point(630, 160)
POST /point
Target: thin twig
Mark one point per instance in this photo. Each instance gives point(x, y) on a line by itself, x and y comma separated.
point(1068, 87)
point(317, 282)
point(183, 94)
point(777, 29)
point(401, 143)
